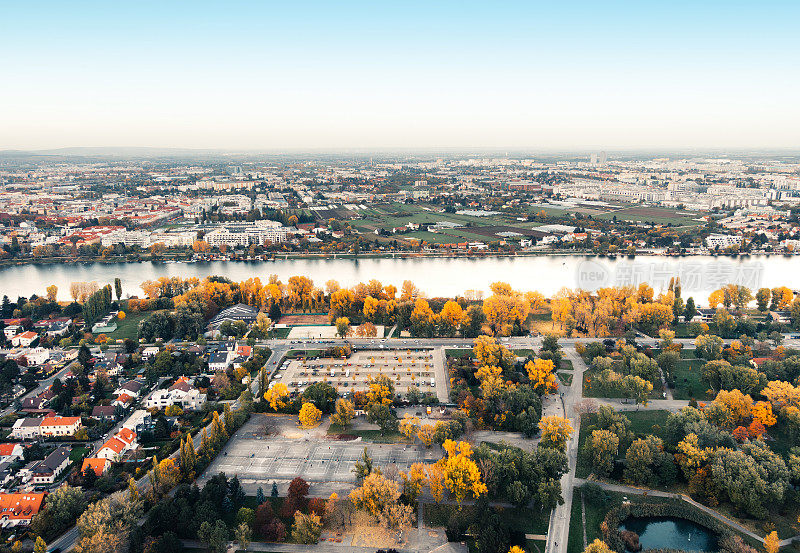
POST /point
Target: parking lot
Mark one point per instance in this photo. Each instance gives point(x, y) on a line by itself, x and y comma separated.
point(405, 368)
point(259, 460)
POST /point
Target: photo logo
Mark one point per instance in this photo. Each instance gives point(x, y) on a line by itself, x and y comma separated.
point(592, 275)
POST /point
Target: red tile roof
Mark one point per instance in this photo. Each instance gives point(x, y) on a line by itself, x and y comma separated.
point(98, 465)
point(20, 506)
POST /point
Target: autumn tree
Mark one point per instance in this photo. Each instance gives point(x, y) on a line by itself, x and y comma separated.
point(307, 528)
point(542, 376)
point(409, 426)
point(277, 396)
point(344, 412)
point(309, 415)
point(375, 493)
point(602, 447)
point(598, 546)
point(555, 432)
point(342, 327)
point(413, 481)
point(462, 477)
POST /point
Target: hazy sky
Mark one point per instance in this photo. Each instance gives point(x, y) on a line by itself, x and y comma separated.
point(268, 75)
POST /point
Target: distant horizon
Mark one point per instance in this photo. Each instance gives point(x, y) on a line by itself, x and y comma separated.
point(411, 150)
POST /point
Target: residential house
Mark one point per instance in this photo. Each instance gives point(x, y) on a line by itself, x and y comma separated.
point(36, 356)
point(131, 387)
point(98, 465)
point(59, 426)
point(11, 452)
point(140, 421)
point(123, 400)
point(149, 352)
point(26, 428)
point(24, 339)
point(47, 470)
point(220, 360)
point(116, 446)
point(104, 412)
point(12, 330)
point(19, 508)
point(781, 317)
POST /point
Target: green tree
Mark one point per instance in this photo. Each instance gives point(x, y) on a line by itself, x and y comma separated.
point(363, 467)
point(214, 537)
point(383, 416)
point(762, 298)
point(690, 311)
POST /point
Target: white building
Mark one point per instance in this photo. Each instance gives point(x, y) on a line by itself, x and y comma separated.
point(722, 240)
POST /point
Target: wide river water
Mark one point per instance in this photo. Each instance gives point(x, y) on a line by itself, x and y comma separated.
point(435, 276)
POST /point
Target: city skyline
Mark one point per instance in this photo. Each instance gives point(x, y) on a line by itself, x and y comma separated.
point(241, 76)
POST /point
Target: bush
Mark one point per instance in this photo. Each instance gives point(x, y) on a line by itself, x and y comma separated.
point(594, 495)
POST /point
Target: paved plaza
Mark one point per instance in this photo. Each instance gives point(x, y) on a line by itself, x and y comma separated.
point(423, 368)
point(259, 460)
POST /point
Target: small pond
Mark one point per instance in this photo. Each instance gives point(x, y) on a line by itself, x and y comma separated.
point(671, 533)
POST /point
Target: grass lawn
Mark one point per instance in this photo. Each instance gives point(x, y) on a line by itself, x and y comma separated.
point(129, 327)
point(281, 333)
point(647, 422)
point(688, 380)
point(566, 378)
point(77, 454)
point(298, 353)
point(458, 352)
point(566, 365)
point(524, 352)
point(528, 521)
point(575, 541)
point(369, 435)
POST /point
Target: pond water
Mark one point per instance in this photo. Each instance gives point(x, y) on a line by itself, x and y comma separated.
point(671, 533)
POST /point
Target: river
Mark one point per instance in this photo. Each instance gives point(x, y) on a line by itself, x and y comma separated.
point(435, 276)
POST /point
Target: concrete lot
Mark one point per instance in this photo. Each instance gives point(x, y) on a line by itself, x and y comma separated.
point(260, 460)
point(326, 332)
point(404, 367)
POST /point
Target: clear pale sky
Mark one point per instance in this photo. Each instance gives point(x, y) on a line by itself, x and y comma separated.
point(301, 74)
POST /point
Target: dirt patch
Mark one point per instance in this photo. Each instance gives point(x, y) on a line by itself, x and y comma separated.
point(366, 533)
point(296, 319)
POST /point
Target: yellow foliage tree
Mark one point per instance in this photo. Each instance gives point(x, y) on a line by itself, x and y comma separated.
point(597, 546)
point(555, 432)
point(277, 396)
point(309, 415)
point(375, 493)
point(409, 426)
point(425, 434)
point(491, 379)
point(771, 542)
point(435, 477)
point(413, 481)
point(379, 390)
point(540, 371)
point(462, 477)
